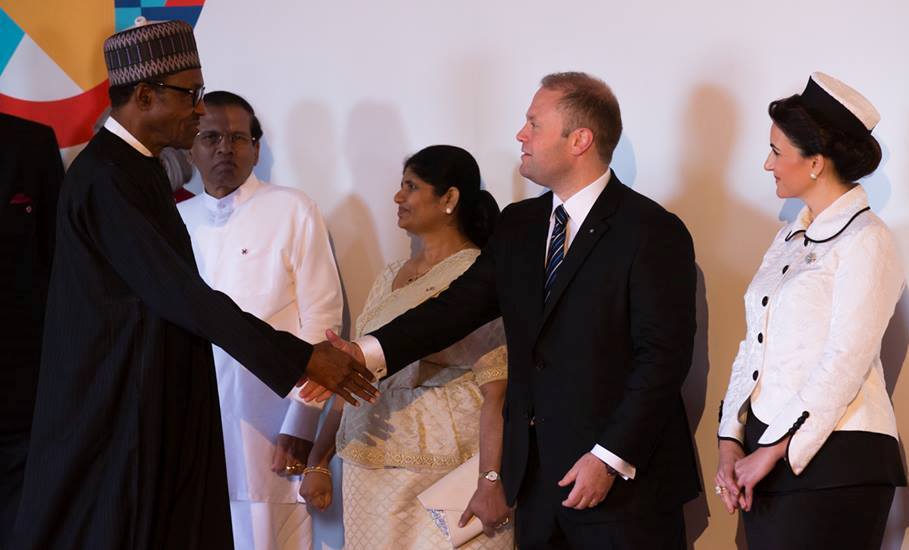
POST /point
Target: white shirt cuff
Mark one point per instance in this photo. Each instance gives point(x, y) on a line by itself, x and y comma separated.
point(302, 419)
point(373, 355)
point(626, 470)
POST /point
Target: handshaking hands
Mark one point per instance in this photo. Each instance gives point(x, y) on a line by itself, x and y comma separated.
point(337, 366)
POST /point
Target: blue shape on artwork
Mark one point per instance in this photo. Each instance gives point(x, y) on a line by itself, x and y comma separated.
point(190, 14)
point(10, 36)
point(153, 3)
point(125, 18)
point(126, 3)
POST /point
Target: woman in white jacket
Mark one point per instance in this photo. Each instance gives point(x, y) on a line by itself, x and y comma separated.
point(808, 444)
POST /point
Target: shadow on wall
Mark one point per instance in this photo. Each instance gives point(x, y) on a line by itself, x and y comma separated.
point(374, 149)
point(312, 169)
point(313, 166)
point(624, 163)
point(893, 353)
point(311, 141)
point(893, 357)
point(694, 392)
point(730, 238)
point(262, 170)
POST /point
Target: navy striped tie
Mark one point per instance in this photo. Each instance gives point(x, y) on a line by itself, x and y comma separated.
point(556, 249)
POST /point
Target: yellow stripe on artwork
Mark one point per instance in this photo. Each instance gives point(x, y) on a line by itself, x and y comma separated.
point(71, 33)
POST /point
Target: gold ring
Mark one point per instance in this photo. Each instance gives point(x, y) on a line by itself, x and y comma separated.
point(293, 469)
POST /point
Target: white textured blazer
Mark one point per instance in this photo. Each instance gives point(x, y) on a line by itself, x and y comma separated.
point(816, 312)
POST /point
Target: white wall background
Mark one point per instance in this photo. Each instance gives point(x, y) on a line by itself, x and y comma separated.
point(346, 90)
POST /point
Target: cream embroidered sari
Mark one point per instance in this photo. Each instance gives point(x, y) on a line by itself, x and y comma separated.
point(425, 423)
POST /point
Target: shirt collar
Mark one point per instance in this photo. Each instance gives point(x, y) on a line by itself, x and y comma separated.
point(221, 209)
point(118, 130)
point(579, 204)
point(833, 219)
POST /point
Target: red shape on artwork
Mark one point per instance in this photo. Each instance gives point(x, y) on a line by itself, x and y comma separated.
point(72, 118)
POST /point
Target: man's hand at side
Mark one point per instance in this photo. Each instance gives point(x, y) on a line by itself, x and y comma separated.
point(592, 482)
point(290, 455)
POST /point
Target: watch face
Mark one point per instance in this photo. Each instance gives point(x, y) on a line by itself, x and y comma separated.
point(492, 476)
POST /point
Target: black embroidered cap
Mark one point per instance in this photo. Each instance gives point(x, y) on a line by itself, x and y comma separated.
point(838, 104)
point(150, 50)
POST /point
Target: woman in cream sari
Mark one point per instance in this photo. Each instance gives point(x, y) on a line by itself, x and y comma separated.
point(439, 411)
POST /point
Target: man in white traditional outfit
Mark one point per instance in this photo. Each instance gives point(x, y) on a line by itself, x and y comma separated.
point(267, 247)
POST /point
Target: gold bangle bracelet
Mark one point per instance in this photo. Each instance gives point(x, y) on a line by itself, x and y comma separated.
point(320, 469)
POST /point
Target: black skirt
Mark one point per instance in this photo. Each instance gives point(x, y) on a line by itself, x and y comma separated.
point(851, 518)
point(840, 500)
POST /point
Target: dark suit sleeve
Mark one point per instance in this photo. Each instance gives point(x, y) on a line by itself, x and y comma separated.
point(172, 288)
point(663, 285)
point(469, 303)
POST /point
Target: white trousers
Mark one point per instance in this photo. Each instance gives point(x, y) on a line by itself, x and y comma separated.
point(270, 526)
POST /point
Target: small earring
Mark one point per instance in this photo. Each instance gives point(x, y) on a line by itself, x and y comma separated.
point(448, 210)
point(812, 175)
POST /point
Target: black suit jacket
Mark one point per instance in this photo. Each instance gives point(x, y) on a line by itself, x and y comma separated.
point(601, 362)
point(30, 175)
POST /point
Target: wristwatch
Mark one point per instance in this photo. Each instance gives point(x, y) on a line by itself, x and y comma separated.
point(491, 475)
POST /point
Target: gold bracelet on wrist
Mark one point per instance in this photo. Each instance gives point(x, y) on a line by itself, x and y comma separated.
point(320, 469)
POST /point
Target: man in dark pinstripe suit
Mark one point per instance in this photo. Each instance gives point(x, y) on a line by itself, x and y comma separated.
point(126, 447)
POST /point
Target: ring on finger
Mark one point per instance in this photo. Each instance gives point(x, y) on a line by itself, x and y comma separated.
point(293, 469)
point(720, 490)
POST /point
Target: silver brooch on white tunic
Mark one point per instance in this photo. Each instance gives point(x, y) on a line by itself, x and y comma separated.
point(809, 259)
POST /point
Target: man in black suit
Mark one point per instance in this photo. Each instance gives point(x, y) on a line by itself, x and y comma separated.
point(30, 176)
point(596, 287)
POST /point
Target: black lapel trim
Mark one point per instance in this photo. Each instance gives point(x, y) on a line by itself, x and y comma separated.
point(835, 235)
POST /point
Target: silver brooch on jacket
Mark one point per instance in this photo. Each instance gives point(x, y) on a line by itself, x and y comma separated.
point(809, 259)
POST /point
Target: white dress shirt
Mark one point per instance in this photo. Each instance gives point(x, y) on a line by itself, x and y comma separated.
point(266, 247)
point(816, 312)
point(577, 207)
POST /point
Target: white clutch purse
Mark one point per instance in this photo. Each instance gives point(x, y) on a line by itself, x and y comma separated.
point(447, 499)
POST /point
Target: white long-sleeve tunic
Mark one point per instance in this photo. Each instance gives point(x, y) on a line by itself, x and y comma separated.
point(266, 247)
point(816, 312)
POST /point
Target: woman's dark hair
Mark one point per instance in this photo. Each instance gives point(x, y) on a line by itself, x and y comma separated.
point(447, 166)
point(852, 157)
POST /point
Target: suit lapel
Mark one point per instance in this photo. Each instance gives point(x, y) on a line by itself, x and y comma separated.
point(590, 232)
point(534, 255)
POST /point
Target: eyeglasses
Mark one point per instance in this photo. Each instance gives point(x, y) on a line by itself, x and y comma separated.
point(211, 138)
point(195, 93)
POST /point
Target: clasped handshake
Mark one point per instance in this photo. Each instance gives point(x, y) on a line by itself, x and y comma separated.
point(337, 366)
